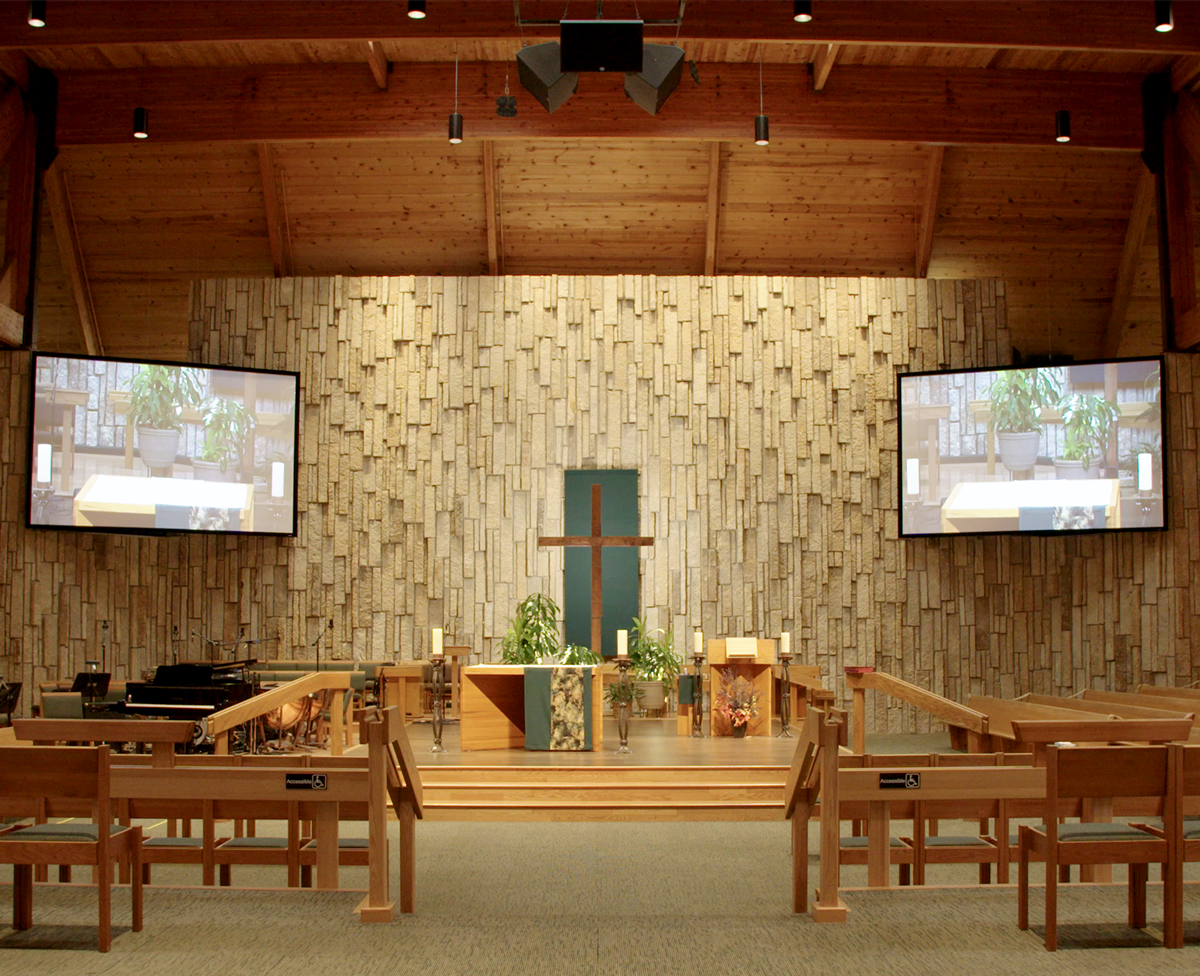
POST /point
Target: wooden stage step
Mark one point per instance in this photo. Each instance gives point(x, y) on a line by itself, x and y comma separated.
point(603, 793)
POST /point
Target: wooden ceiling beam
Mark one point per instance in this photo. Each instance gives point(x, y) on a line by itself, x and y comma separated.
point(338, 102)
point(712, 222)
point(277, 231)
point(495, 252)
point(62, 215)
point(928, 216)
point(1139, 214)
point(12, 118)
point(1028, 25)
point(377, 62)
point(823, 64)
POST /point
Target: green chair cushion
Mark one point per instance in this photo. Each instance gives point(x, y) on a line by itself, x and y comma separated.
point(962, 841)
point(261, 843)
point(860, 843)
point(88, 833)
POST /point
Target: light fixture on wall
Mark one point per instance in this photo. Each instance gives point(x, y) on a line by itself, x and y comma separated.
point(416, 9)
point(36, 17)
point(762, 126)
point(802, 11)
point(456, 127)
point(1062, 126)
point(1164, 19)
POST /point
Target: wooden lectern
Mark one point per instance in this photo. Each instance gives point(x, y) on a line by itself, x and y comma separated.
point(756, 670)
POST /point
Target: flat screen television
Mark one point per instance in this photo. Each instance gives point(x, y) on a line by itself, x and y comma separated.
point(140, 446)
point(1047, 449)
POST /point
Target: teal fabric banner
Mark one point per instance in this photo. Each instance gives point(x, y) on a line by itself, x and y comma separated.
point(687, 689)
point(558, 709)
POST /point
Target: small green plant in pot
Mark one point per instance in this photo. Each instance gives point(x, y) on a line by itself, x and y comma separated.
point(532, 636)
point(1017, 399)
point(226, 423)
point(157, 397)
point(655, 662)
point(1087, 420)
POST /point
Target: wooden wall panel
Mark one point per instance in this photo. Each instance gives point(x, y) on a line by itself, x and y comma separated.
point(440, 413)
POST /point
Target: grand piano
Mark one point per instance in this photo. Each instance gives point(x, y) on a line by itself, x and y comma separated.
point(191, 689)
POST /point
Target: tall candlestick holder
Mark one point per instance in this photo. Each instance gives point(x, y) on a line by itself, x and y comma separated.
point(439, 702)
point(785, 699)
point(698, 698)
point(624, 707)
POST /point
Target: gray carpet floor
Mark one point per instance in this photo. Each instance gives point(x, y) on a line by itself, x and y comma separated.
point(590, 899)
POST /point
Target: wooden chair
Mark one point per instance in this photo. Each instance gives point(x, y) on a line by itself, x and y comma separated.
point(33, 778)
point(1099, 774)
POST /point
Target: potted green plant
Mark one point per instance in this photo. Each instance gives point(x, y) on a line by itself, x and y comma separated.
point(654, 661)
point(532, 636)
point(1017, 398)
point(157, 397)
point(1087, 419)
point(226, 423)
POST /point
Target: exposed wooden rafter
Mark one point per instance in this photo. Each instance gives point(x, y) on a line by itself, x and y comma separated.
point(823, 64)
point(62, 214)
point(712, 223)
point(277, 230)
point(1139, 214)
point(19, 222)
point(12, 118)
point(495, 251)
point(933, 186)
point(1177, 217)
point(1044, 25)
point(308, 102)
point(377, 62)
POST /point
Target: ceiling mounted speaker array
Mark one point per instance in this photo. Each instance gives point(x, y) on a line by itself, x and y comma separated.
point(661, 71)
point(539, 70)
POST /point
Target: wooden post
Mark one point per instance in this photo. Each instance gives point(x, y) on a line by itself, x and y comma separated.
point(377, 906)
point(829, 907)
point(408, 855)
point(859, 709)
point(800, 817)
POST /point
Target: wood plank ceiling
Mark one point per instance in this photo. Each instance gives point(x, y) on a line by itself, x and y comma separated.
point(310, 139)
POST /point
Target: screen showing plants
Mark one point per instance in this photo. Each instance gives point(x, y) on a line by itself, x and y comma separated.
point(1072, 448)
point(128, 446)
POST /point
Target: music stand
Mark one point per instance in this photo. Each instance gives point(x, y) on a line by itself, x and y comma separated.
point(9, 693)
point(91, 685)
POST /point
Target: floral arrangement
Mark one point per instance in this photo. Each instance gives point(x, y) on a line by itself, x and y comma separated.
point(737, 700)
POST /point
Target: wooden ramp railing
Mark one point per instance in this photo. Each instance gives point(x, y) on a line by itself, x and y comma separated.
point(392, 772)
point(964, 722)
point(221, 723)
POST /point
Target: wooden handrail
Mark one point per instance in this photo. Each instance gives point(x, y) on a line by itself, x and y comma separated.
point(220, 723)
point(951, 712)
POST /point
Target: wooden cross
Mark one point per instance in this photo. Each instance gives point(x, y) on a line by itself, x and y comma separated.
point(597, 543)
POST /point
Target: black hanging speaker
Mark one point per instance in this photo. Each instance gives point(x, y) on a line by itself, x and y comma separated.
point(539, 71)
point(601, 45)
point(662, 67)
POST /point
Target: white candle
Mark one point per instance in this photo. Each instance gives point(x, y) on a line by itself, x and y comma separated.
point(912, 477)
point(699, 643)
point(1145, 472)
point(437, 642)
point(44, 452)
point(276, 479)
point(622, 644)
point(785, 644)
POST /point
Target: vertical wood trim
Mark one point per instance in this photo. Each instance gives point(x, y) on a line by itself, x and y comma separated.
point(490, 174)
point(823, 62)
point(929, 202)
point(712, 222)
point(12, 118)
point(19, 211)
point(1177, 216)
point(62, 215)
point(377, 62)
point(277, 233)
point(1139, 214)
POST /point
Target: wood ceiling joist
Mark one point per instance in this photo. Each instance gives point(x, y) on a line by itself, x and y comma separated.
point(1179, 141)
point(495, 253)
point(823, 64)
point(277, 231)
point(713, 213)
point(377, 62)
point(1139, 214)
point(62, 215)
point(12, 118)
point(928, 215)
point(313, 102)
point(1030, 25)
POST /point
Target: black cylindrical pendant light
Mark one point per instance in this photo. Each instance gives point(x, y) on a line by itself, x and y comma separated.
point(1164, 18)
point(1062, 126)
point(141, 123)
point(455, 128)
point(762, 127)
point(36, 17)
point(802, 11)
point(416, 9)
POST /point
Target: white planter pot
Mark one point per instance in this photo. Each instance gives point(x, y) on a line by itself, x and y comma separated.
point(211, 471)
point(653, 697)
point(1072, 470)
point(1018, 451)
point(157, 448)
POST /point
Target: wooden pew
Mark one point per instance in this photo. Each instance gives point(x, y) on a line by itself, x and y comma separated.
point(1095, 708)
point(162, 736)
point(1040, 734)
point(1000, 713)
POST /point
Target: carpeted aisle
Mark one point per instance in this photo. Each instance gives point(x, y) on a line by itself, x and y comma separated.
point(585, 899)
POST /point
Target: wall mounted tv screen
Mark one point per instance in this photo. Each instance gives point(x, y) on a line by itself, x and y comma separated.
point(1074, 448)
point(123, 445)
